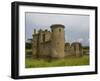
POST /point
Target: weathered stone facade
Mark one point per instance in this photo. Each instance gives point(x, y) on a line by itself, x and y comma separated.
point(52, 44)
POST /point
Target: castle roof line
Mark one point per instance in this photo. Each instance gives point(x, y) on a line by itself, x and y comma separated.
point(57, 25)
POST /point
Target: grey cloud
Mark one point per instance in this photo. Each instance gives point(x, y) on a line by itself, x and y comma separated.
point(76, 26)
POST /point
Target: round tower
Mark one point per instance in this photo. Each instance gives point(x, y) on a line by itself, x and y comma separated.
point(77, 49)
point(57, 40)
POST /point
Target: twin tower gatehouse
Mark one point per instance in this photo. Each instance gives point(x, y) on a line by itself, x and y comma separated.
point(52, 44)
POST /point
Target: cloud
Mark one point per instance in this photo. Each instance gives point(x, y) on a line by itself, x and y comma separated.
point(76, 26)
point(80, 40)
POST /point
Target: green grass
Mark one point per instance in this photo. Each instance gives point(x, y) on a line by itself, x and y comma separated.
point(72, 61)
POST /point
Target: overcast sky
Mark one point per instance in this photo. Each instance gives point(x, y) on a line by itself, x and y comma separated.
point(76, 26)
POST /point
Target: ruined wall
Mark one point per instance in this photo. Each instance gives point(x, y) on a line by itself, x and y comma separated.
point(45, 49)
point(67, 49)
point(44, 36)
point(40, 43)
point(47, 35)
point(34, 45)
point(52, 44)
point(77, 49)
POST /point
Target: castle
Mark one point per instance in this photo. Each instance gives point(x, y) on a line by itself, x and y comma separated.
point(52, 44)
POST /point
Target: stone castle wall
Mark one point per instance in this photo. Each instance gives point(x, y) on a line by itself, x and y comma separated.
point(74, 49)
point(52, 44)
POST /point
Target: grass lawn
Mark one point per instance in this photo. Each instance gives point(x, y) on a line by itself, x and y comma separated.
point(72, 61)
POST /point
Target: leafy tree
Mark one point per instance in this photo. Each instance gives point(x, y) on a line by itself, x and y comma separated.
point(28, 44)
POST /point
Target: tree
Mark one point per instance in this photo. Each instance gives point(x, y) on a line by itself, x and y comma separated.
point(28, 44)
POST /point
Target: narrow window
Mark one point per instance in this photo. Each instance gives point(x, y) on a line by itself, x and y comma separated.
point(52, 30)
point(43, 37)
point(59, 30)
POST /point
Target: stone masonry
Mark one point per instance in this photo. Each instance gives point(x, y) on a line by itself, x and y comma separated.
point(51, 44)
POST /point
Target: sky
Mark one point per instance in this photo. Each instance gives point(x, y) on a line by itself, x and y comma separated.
point(76, 26)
